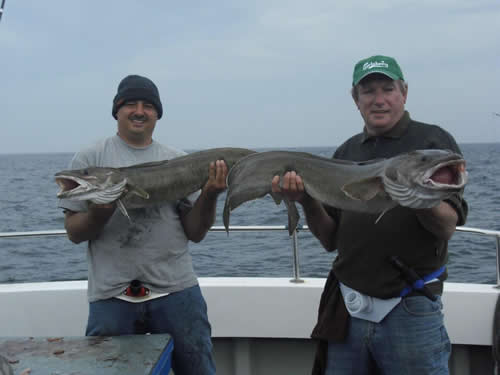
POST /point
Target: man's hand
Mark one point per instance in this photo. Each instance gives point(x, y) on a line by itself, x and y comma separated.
point(201, 217)
point(320, 223)
point(292, 188)
point(216, 182)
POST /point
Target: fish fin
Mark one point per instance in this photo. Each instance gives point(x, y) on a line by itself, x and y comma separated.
point(226, 214)
point(363, 190)
point(133, 189)
point(293, 216)
point(384, 212)
point(277, 197)
point(123, 210)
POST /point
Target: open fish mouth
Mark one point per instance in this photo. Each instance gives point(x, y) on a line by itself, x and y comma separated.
point(72, 185)
point(449, 174)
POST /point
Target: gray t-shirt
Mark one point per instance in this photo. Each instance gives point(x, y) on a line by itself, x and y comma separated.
point(152, 249)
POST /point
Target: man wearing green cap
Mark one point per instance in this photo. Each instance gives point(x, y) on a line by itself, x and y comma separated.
point(402, 332)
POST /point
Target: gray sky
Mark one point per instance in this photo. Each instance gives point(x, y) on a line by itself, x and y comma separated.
point(267, 73)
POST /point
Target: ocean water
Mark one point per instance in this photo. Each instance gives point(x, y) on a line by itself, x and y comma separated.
point(28, 203)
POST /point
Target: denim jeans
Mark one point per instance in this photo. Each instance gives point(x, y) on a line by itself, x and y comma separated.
point(181, 314)
point(410, 340)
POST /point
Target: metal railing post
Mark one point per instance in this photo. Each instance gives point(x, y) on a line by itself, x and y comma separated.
point(295, 259)
point(498, 259)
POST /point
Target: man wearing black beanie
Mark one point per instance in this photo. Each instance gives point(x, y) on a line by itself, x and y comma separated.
point(135, 87)
point(141, 277)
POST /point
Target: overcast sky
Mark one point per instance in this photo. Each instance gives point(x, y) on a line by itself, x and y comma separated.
point(241, 73)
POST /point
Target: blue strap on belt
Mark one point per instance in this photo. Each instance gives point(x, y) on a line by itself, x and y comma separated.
point(419, 284)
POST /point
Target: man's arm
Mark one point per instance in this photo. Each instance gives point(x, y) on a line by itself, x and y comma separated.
point(87, 225)
point(440, 220)
point(321, 225)
point(198, 220)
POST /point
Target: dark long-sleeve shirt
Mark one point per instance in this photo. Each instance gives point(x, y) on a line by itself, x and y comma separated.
point(364, 246)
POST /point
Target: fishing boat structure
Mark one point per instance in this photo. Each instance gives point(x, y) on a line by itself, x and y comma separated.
point(260, 325)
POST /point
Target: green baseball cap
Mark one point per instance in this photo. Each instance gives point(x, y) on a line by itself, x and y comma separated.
point(377, 64)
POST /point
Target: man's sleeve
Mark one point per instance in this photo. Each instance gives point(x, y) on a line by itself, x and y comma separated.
point(461, 207)
point(185, 205)
point(457, 200)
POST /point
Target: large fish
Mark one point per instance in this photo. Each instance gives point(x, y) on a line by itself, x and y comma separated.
point(418, 179)
point(144, 184)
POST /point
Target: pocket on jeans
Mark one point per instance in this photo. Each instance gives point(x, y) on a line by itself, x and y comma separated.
point(422, 306)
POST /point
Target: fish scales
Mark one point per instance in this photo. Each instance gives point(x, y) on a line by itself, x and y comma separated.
point(147, 183)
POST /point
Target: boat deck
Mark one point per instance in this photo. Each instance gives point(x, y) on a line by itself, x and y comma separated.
point(260, 326)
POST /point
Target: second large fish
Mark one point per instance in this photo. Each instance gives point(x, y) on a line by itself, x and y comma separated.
point(417, 179)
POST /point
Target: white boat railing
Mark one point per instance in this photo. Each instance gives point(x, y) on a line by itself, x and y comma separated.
point(295, 247)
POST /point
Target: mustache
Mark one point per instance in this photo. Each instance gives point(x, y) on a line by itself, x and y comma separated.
point(138, 117)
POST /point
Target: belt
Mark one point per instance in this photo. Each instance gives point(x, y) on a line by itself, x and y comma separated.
point(435, 287)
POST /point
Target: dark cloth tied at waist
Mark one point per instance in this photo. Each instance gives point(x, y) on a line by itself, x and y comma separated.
point(332, 324)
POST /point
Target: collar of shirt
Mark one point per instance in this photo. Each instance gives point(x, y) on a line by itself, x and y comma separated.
point(396, 132)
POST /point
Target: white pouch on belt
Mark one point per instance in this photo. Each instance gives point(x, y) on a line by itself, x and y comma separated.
point(365, 307)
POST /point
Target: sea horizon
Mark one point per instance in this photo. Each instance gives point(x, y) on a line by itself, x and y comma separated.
point(206, 148)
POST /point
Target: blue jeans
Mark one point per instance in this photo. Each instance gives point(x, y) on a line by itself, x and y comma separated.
point(410, 340)
point(181, 314)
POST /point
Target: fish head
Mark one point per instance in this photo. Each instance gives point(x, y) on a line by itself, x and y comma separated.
point(423, 178)
point(95, 184)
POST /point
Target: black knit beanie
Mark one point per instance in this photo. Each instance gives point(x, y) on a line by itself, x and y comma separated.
point(136, 87)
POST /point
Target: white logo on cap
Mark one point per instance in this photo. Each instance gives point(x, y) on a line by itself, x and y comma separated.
point(375, 64)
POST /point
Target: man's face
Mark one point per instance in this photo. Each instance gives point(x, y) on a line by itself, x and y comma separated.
point(380, 102)
point(136, 121)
